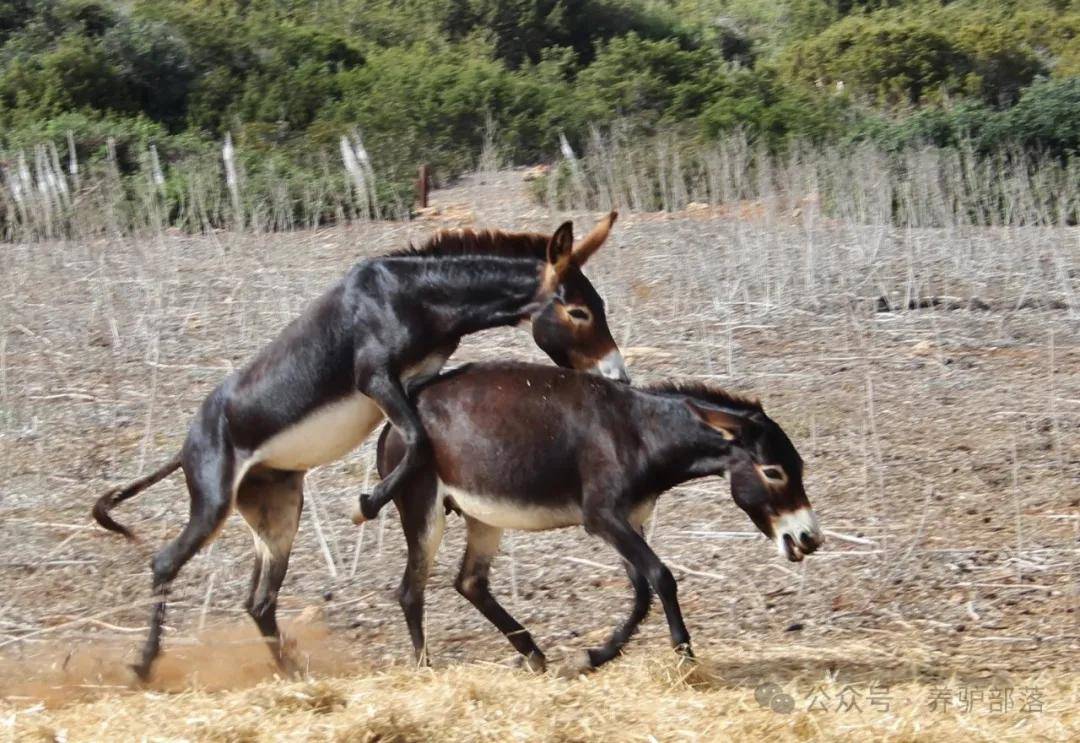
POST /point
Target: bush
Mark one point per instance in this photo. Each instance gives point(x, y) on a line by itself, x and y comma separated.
point(965, 124)
point(759, 105)
point(1047, 118)
point(521, 30)
point(893, 61)
point(644, 80)
point(91, 133)
point(430, 103)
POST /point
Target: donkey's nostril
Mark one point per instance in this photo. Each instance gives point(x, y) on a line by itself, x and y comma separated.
point(810, 542)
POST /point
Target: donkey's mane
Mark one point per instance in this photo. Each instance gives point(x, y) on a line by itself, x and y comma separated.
point(706, 393)
point(447, 243)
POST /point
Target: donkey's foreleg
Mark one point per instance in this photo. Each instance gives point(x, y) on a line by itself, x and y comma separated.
point(633, 548)
point(271, 503)
point(472, 583)
point(622, 635)
point(388, 393)
point(208, 468)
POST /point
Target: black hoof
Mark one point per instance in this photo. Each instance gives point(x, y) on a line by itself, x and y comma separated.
point(533, 662)
point(369, 507)
point(685, 653)
point(141, 671)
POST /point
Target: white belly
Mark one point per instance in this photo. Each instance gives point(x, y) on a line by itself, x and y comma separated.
point(504, 514)
point(324, 435)
point(332, 431)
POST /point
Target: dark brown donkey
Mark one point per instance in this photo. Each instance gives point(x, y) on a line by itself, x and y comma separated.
point(521, 446)
point(327, 380)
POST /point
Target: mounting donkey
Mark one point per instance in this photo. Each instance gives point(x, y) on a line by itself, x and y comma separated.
point(318, 389)
point(522, 446)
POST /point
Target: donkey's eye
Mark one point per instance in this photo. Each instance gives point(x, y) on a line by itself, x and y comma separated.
point(579, 314)
point(773, 473)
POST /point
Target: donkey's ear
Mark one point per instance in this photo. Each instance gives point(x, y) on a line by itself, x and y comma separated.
point(596, 237)
point(560, 245)
point(728, 425)
point(559, 255)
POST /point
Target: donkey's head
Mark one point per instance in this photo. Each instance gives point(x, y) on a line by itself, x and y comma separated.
point(569, 323)
point(766, 474)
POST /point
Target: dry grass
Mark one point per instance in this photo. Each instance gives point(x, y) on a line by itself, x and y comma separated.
point(644, 697)
point(918, 187)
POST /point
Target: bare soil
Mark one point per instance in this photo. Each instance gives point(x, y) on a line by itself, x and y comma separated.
point(942, 447)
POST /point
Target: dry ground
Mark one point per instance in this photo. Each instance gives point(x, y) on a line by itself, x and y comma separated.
point(943, 453)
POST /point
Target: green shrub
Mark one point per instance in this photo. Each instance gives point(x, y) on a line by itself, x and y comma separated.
point(1047, 118)
point(894, 61)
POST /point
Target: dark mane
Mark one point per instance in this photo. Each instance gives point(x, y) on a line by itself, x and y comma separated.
point(484, 242)
point(706, 393)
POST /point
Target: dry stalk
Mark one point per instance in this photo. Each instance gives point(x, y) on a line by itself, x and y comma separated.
point(324, 547)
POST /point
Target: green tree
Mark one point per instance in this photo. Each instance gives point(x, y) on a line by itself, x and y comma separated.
point(893, 61)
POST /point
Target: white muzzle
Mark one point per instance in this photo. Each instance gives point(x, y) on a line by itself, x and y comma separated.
point(612, 367)
point(797, 534)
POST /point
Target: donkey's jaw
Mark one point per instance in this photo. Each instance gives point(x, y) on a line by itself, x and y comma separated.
point(797, 533)
point(612, 366)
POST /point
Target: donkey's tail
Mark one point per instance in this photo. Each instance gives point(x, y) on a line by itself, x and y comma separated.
point(116, 496)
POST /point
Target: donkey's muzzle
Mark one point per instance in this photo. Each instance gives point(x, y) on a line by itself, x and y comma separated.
point(797, 534)
point(612, 367)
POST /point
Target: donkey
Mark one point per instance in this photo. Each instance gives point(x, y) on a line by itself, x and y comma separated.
point(318, 389)
point(521, 446)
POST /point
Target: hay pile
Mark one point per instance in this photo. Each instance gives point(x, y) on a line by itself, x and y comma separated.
point(645, 696)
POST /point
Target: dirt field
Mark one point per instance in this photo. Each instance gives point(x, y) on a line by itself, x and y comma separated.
point(930, 379)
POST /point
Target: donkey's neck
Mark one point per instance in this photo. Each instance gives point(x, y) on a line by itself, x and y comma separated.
point(474, 293)
point(678, 446)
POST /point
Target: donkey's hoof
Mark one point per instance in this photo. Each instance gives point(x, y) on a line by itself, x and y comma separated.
point(576, 664)
point(685, 653)
point(369, 508)
point(141, 671)
point(533, 662)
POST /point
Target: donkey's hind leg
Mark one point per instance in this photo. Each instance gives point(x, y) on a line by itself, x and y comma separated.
point(208, 464)
point(271, 502)
point(472, 583)
point(423, 520)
